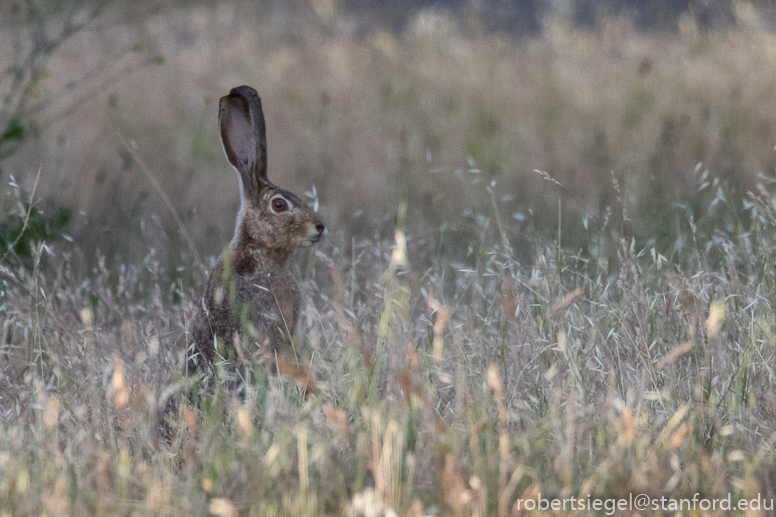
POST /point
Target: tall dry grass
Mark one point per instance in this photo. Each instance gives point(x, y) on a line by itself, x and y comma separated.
point(512, 382)
point(375, 119)
point(448, 390)
point(485, 345)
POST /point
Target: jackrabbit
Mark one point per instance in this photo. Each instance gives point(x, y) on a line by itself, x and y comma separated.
point(250, 298)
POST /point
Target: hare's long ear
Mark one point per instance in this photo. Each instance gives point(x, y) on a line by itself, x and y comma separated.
point(244, 136)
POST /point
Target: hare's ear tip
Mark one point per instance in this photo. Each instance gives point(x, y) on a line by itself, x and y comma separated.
point(244, 90)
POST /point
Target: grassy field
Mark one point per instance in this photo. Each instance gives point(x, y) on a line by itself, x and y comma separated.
point(482, 334)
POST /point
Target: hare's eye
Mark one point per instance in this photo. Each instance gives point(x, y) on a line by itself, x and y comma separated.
point(279, 205)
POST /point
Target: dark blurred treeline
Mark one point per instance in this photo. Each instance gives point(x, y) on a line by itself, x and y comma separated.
point(530, 17)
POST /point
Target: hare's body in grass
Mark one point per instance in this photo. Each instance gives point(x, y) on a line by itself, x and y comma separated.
point(250, 298)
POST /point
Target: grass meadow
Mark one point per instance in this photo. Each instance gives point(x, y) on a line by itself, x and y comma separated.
point(550, 268)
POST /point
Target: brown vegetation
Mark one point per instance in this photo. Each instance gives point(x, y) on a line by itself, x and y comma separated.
point(604, 327)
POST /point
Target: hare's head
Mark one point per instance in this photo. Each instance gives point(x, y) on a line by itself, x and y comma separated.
point(272, 221)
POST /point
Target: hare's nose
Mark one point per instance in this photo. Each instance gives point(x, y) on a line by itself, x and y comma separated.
point(321, 229)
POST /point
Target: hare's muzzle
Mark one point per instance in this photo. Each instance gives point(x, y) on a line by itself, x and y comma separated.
point(315, 232)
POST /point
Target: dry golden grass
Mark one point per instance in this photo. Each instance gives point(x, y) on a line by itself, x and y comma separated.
point(385, 118)
point(457, 403)
point(619, 343)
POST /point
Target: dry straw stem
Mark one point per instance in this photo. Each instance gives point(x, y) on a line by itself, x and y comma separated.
point(167, 201)
point(439, 326)
point(393, 485)
point(506, 461)
point(675, 352)
point(716, 315)
point(244, 422)
point(664, 438)
point(119, 382)
point(304, 482)
point(506, 494)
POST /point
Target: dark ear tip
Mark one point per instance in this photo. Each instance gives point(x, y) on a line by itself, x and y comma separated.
point(244, 91)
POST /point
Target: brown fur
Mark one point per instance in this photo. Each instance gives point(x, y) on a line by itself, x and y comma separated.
point(250, 298)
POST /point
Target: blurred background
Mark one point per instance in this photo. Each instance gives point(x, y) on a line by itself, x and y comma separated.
point(644, 116)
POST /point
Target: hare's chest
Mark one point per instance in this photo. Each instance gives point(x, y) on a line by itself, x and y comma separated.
point(275, 296)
